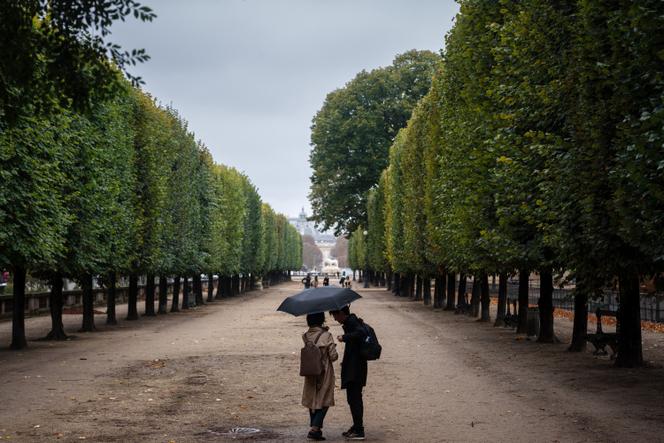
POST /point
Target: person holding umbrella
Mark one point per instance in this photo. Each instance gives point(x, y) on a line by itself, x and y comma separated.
point(318, 392)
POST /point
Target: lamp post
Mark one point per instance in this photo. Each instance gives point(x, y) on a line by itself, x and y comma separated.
point(366, 260)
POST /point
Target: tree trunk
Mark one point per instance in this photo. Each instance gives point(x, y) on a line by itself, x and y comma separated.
point(451, 280)
point(418, 286)
point(228, 284)
point(630, 352)
point(545, 305)
point(56, 302)
point(397, 284)
point(88, 305)
point(236, 283)
point(461, 293)
point(210, 288)
point(439, 291)
point(522, 327)
point(198, 289)
point(185, 292)
point(389, 280)
point(175, 303)
point(149, 296)
point(426, 290)
point(485, 298)
point(132, 299)
point(163, 294)
point(502, 300)
point(18, 313)
point(580, 329)
point(475, 297)
point(111, 295)
point(407, 282)
point(220, 288)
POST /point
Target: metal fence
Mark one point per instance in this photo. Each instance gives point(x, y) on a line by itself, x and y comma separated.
point(652, 306)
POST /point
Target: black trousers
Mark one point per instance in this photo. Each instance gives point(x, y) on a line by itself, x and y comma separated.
point(354, 397)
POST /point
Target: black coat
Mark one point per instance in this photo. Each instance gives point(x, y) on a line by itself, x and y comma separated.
point(353, 365)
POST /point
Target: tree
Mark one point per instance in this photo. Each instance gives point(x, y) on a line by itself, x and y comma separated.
point(252, 246)
point(353, 131)
point(58, 52)
point(340, 251)
point(34, 214)
point(376, 228)
point(312, 256)
point(151, 193)
point(394, 216)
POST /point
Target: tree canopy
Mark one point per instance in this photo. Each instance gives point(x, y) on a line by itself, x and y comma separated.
point(352, 133)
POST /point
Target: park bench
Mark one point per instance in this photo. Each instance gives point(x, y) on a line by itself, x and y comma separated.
point(601, 339)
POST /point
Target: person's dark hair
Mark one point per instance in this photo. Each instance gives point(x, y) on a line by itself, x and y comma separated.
point(316, 319)
point(345, 310)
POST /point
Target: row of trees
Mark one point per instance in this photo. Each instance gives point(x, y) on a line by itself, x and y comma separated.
point(537, 149)
point(127, 190)
point(98, 181)
point(352, 133)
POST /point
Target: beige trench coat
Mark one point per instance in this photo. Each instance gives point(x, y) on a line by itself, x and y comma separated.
point(319, 390)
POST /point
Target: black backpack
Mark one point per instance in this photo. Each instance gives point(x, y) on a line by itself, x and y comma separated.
point(370, 349)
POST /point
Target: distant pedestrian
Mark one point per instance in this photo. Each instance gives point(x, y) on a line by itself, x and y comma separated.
point(318, 392)
point(353, 369)
point(342, 282)
point(315, 281)
point(326, 281)
point(306, 281)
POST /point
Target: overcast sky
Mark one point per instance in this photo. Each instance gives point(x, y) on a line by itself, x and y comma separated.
point(249, 75)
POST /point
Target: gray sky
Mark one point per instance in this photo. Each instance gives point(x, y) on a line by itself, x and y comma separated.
point(249, 75)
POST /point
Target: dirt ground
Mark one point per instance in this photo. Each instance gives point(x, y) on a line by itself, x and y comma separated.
point(218, 372)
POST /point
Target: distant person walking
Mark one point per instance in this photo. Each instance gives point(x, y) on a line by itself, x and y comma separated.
point(315, 281)
point(342, 282)
point(318, 392)
point(326, 281)
point(353, 369)
point(306, 281)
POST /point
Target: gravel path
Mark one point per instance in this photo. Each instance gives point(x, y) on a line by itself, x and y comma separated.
point(213, 372)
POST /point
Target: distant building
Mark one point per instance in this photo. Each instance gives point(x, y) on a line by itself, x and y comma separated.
point(306, 227)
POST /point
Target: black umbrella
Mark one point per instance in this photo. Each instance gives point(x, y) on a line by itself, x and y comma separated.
point(325, 298)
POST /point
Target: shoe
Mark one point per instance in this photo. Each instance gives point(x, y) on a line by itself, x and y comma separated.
point(350, 430)
point(315, 435)
point(355, 434)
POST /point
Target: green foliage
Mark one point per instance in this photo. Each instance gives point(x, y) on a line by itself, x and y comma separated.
point(151, 188)
point(537, 145)
point(34, 162)
point(100, 181)
point(353, 131)
point(357, 249)
point(394, 207)
point(57, 54)
point(231, 211)
point(252, 245)
point(376, 227)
